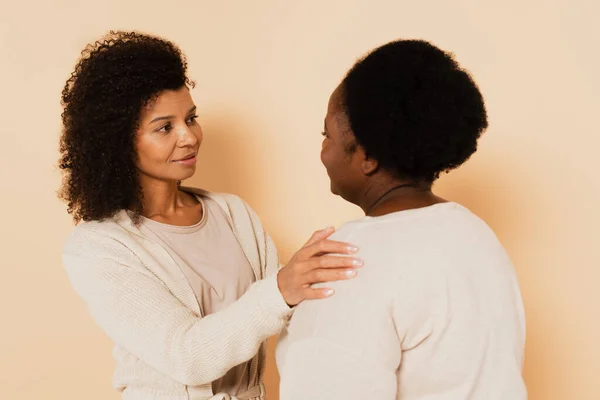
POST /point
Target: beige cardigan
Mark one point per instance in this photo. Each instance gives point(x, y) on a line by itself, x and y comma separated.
point(164, 349)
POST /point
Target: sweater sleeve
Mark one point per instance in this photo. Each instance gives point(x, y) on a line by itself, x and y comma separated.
point(139, 313)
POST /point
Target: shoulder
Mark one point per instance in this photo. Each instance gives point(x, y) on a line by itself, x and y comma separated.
point(100, 238)
point(89, 231)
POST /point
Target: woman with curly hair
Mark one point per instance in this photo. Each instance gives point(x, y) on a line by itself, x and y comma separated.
point(185, 282)
point(439, 314)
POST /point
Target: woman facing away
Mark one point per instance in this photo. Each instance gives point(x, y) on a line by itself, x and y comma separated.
point(186, 283)
point(436, 314)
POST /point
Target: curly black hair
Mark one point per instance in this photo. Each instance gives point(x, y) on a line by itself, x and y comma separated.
point(102, 101)
point(413, 109)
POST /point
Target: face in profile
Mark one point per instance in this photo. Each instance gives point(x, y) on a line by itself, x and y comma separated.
point(339, 153)
point(169, 137)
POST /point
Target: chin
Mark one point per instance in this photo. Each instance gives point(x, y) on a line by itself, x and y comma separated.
point(183, 177)
point(333, 189)
point(341, 193)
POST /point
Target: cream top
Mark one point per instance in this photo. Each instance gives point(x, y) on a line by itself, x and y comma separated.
point(217, 269)
point(434, 314)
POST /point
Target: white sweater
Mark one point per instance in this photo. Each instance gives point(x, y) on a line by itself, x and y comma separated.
point(164, 348)
point(434, 314)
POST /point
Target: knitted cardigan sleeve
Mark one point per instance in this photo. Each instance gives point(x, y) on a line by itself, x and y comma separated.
point(140, 314)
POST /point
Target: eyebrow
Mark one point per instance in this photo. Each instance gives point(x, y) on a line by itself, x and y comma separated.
point(170, 116)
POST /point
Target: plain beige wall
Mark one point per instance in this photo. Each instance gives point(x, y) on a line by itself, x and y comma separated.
point(264, 71)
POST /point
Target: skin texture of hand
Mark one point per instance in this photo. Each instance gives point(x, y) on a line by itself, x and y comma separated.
point(314, 263)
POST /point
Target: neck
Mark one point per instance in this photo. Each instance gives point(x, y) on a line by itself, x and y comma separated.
point(161, 197)
point(394, 195)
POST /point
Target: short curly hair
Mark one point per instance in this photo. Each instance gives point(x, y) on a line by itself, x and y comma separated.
point(102, 101)
point(413, 109)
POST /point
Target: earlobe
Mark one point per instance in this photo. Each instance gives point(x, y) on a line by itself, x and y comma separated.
point(369, 166)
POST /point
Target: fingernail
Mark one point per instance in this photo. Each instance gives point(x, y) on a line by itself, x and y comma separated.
point(357, 262)
point(350, 273)
point(328, 292)
point(352, 249)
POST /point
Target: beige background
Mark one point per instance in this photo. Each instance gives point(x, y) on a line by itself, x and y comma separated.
point(264, 71)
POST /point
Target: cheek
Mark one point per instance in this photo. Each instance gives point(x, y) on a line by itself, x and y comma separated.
point(326, 155)
point(151, 151)
point(333, 160)
point(330, 160)
point(141, 149)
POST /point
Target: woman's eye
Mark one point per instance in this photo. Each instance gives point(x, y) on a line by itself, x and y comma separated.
point(324, 134)
point(192, 119)
point(166, 129)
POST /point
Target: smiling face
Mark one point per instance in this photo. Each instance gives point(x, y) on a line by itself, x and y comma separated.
point(340, 154)
point(168, 137)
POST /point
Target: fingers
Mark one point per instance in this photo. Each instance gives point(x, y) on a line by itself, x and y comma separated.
point(326, 246)
point(331, 262)
point(314, 294)
point(324, 275)
point(319, 260)
point(329, 275)
point(319, 235)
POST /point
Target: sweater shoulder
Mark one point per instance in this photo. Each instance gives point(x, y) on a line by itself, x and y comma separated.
point(97, 237)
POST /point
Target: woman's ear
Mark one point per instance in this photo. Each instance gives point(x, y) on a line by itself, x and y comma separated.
point(369, 165)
